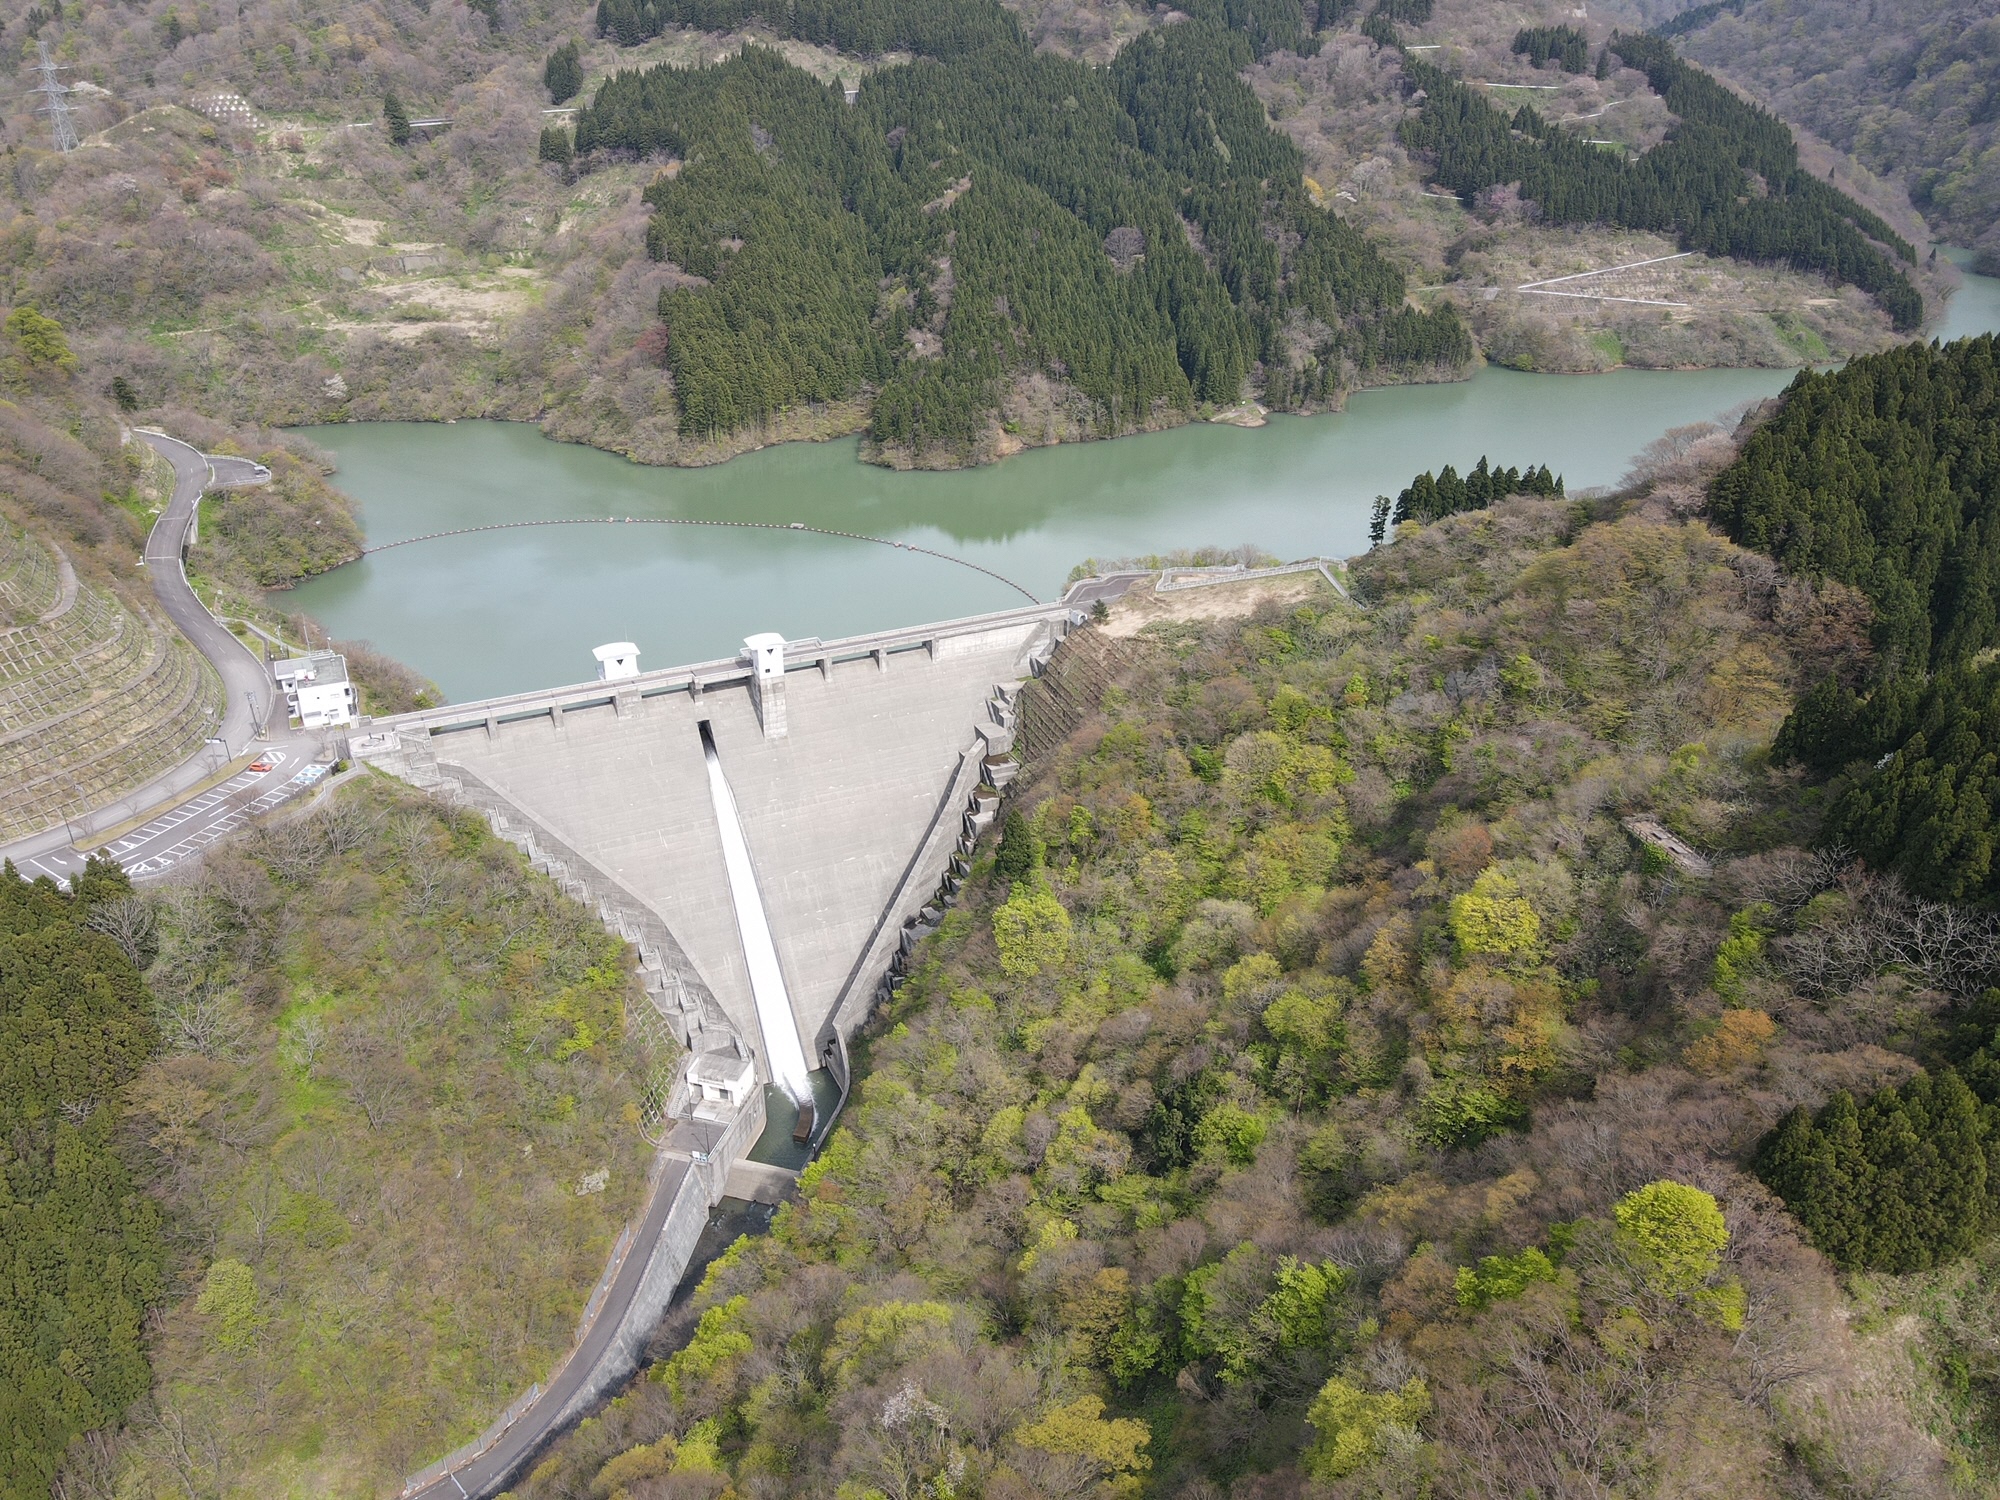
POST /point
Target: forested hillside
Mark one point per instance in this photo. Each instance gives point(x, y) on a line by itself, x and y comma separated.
point(1695, 184)
point(1909, 89)
point(1885, 475)
point(351, 1153)
point(82, 1258)
point(1346, 1075)
point(988, 215)
point(295, 259)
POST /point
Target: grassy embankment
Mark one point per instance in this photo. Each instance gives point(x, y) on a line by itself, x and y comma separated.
point(391, 1129)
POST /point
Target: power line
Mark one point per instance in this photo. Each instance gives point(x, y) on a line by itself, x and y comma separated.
point(57, 109)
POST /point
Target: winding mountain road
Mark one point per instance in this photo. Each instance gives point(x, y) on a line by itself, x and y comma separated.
point(249, 691)
point(188, 813)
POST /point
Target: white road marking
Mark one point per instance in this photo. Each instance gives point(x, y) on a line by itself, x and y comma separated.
point(210, 811)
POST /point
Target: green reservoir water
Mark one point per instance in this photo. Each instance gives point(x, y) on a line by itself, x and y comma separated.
point(511, 611)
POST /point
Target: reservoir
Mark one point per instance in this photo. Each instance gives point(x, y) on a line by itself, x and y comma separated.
point(509, 611)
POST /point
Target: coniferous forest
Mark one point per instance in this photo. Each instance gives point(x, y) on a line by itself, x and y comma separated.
point(81, 1251)
point(1725, 181)
point(1139, 232)
point(1885, 476)
point(1901, 1182)
point(1431, 497)
point(1565, 46)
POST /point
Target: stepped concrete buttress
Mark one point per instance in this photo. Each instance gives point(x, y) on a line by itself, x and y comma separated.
point(853, 770)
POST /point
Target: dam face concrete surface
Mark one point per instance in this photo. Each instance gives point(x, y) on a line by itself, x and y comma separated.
point(841, 801)
point(772, 833)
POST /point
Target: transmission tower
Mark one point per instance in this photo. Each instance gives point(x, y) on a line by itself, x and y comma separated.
point(57, 109)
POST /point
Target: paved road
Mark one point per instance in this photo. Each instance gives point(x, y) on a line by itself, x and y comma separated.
point(205, 815)
point(249, 689)
point(488, 1472)
point(1087, 591)
point(182, 832)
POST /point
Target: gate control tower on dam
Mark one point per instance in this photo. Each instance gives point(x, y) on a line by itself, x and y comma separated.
point(768, 830)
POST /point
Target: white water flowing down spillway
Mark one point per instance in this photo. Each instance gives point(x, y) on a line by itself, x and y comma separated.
point(782, 1051)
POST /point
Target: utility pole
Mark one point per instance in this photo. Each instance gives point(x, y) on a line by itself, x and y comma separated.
point(57, 109)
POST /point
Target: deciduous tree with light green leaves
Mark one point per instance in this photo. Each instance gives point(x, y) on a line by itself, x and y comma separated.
point(1032, 931)
point(1299, 1312)
point(718, 1338)
point(1502, 1276)
point(1677, 1233)
point(39, 342)
point(229, 1300)
point(1114, 1446)
point(1355, 1426)
point(1494, 920)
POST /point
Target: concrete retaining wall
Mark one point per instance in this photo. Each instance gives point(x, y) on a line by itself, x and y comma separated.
point(704, 1186)
point(942, 639)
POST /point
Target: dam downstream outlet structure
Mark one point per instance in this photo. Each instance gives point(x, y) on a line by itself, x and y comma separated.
point(774, 834)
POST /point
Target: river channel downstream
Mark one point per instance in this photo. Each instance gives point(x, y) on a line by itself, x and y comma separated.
point(509, 611)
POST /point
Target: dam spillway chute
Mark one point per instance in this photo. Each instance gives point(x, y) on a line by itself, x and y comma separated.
point(783, 1053)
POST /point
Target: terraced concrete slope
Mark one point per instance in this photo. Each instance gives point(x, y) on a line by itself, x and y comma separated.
point(850, 817)
point(95, 699)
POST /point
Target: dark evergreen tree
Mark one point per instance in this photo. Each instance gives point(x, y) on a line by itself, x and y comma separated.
point(1565, 46)
point(1432, 497)
point(396, 118)
point(1019, 853)
point(562, 74)
point(1900, 1183)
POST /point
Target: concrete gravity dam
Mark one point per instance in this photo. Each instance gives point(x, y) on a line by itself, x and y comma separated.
point(772, 833)
point(850, 769)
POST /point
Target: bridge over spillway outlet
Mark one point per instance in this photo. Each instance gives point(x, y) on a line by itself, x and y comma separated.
point(773, 833)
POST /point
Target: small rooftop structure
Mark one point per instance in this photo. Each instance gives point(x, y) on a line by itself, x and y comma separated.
point(1652, 832)
point(317, 691)
point(616, 661)
point(722, 1077)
